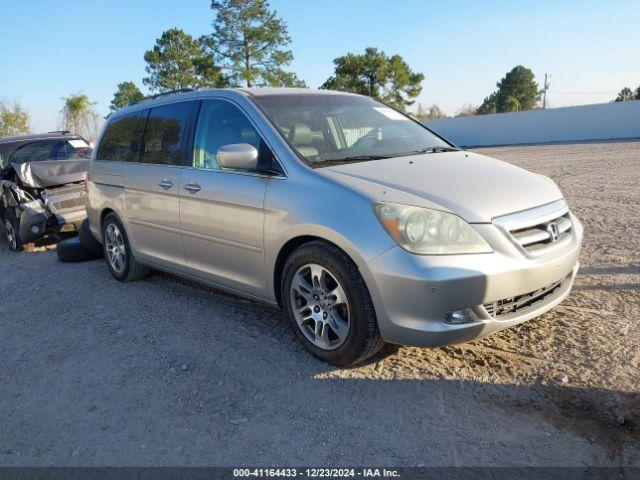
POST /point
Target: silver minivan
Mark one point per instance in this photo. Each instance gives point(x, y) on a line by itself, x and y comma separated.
point(364, 225)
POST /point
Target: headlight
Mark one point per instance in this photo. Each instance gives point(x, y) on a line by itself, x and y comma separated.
point(429, 232)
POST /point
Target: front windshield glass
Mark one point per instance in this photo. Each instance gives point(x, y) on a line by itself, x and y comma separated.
point(329, 129)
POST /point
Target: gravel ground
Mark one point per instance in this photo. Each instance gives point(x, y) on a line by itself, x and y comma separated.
point(164, 372)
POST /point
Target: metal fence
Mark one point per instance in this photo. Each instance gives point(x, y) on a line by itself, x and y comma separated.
point(607, 121)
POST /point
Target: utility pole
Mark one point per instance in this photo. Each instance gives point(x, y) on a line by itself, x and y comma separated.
point(546, 87)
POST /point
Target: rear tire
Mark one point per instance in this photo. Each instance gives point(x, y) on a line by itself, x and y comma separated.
point(117, 251)
point(88, 241)
point(71, 250)
point(12, 231)
point(340, 301)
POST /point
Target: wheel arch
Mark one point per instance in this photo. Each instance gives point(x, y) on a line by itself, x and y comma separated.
point(103, 215)
point(287, 249)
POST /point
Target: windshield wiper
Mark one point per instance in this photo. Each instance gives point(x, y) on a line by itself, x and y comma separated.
point(359, 158)
point(341, 161)
point(364, 158)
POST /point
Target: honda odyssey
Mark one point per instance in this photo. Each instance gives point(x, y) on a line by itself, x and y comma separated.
point(361, 223)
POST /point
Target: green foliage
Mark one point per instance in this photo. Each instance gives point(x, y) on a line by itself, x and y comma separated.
point(250, 42)
point(374, 74)
point(489, 105)
point(627, 94)
point(14, 120)
point(517, 91)
point(179, 61)
point(79, 115)
point(126, 94)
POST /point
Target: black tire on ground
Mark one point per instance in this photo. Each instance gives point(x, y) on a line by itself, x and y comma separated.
point(363, 339)
point(88, 241)
point(132, 269)
point(12, 231)
point(72, 251)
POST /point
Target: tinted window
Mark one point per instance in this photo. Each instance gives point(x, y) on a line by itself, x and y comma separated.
point(51, 150)
point(222, 123)
point(164, 133)
point(122, 138)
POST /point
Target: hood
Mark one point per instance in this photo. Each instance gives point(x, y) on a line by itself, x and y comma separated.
point(475, 187)
point(50, 173)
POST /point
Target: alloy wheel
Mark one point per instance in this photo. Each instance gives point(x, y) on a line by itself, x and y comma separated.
point(11, 234)
point(320, 306)
point(116, 250)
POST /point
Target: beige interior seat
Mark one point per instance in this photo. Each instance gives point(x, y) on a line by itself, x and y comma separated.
point(300, 136)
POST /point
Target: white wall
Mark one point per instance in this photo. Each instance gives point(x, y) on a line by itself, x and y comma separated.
point(615, 120)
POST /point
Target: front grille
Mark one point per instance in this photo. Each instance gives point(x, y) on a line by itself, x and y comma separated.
point(539, 238)
point(540, 230)
point(521, 303)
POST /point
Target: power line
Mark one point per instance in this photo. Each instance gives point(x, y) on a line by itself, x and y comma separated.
point(584, 93)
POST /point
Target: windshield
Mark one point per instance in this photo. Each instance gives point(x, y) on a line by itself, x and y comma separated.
point(41, 150)
point(328, 129)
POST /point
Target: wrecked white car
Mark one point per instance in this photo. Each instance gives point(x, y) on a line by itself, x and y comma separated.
point(42, 185)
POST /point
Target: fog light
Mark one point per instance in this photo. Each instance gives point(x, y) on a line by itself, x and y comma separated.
point(458, 317)
point(35, 229)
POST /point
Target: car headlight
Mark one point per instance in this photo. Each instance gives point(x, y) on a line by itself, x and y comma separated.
point(429, 232)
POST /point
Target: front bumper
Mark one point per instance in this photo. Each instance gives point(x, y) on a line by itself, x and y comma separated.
point(412, 293)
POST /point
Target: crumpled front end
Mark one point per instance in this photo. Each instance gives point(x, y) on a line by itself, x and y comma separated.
point(51, 173)
point(40, 205)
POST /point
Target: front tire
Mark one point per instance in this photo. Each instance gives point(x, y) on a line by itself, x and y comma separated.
point(12, 231)
point(329, 306)
point(117, 251)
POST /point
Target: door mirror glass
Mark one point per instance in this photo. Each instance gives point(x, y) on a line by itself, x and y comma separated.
point(238, 156)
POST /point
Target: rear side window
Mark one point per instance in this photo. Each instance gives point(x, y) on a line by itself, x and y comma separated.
point(164, 133)
point(122, 138)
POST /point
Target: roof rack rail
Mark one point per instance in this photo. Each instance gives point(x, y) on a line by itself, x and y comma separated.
point(60, 131)
point(163, 94)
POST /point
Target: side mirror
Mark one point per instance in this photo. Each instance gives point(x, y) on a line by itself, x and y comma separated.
point(238, 156)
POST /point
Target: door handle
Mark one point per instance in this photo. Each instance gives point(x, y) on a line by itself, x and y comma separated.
point(192, 187)
point(166, 184)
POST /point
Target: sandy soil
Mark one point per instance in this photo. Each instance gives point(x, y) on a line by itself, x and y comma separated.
point(163, 372)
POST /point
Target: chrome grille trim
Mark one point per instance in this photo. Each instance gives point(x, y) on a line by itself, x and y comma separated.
point(538, 231)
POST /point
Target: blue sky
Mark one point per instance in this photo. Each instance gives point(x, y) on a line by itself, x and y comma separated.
point(50, 49)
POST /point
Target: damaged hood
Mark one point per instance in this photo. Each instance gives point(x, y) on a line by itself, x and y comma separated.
point(50, 173)
point(476, 187)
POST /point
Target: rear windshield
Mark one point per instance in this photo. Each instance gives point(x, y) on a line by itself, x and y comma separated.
point(326, 129)
point(42, 150)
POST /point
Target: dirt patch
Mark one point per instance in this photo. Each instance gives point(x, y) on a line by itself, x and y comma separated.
point(167, 372)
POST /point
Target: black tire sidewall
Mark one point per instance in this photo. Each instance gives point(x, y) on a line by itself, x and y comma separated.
point(357, 293)
point(109, 219)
